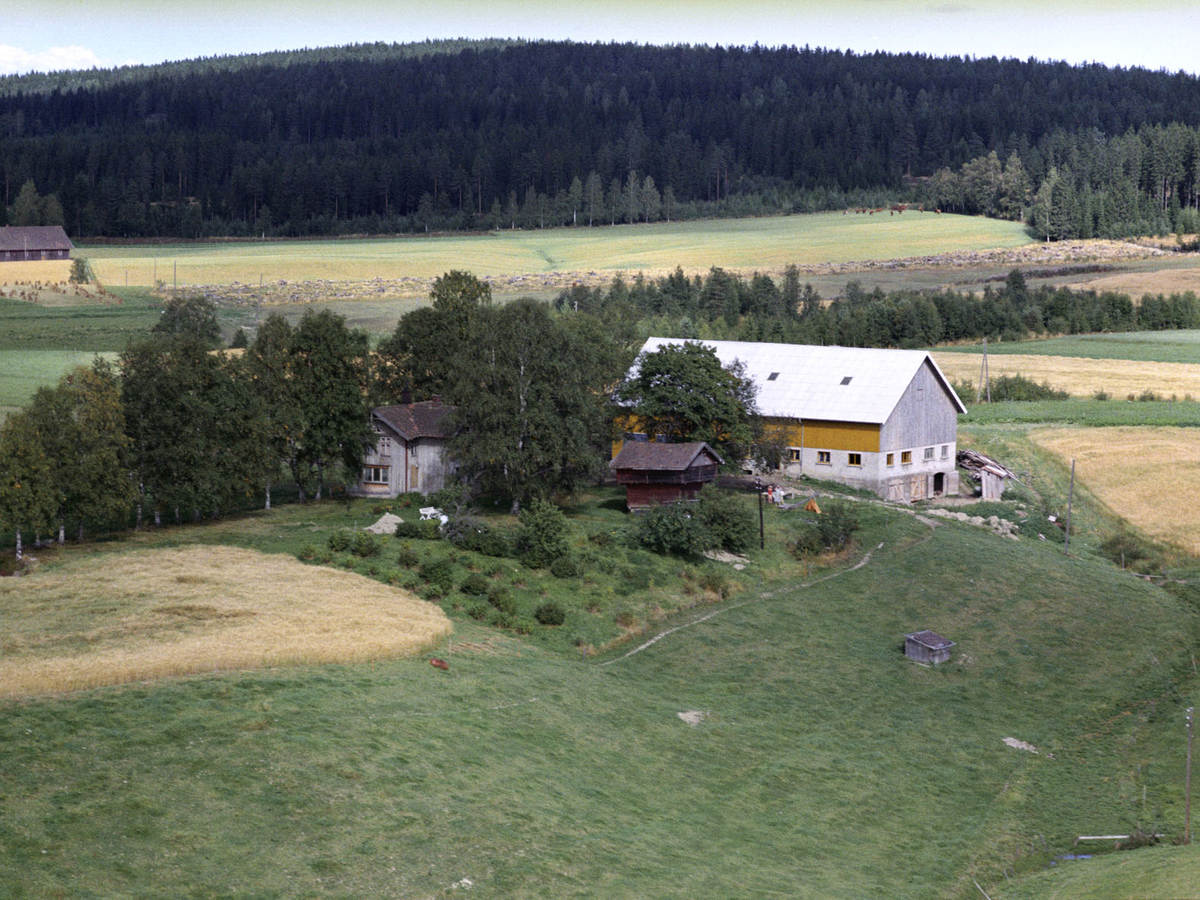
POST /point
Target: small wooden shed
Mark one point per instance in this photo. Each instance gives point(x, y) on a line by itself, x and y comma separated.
point(927, 647)
point(654, 473)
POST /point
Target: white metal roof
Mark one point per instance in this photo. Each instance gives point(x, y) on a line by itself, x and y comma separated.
point(841, 384)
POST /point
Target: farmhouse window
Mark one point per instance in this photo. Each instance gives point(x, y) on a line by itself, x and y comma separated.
point(891, 459)
point(945, 451)
point(824, 457)
point(905, 457)
point(794, 454)
point(854, 459)
point(376, 427)
point(929, 453)
point(375, 475)
point(385, 446)
point(772, 376)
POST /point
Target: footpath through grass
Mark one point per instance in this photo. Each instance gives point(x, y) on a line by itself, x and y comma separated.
point(824, 763)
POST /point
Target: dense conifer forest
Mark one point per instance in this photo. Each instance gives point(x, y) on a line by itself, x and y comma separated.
point(385, 138)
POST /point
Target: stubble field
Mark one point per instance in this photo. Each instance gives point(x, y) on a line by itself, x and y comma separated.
point(144, 615)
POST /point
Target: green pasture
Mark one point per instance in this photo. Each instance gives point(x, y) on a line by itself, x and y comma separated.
point(1140, 346)
point(1155, 873)
point(826, 764)
point(22, 372)
point(1092, 413)
point(761, 243)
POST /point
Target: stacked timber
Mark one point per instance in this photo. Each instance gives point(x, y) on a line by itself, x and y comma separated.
point(990, 474)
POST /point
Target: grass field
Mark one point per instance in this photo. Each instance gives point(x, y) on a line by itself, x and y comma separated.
point(823, 764)
point(109, 619)
point(1092, 413)
point(1079, 376)
point(1159, 873)
point(1141, 346)
point(1149, 476)
point(768, 244)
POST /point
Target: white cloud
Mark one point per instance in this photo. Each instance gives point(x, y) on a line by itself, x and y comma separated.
point(17, 61)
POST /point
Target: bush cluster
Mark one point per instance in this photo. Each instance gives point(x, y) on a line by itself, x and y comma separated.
point(833, 529)
point(542, 536)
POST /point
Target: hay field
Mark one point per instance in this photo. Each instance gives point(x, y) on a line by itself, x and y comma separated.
point(1174, 276)
point(762, 243)
point(1078, 376)
point(109, 619)
point(1148, 476)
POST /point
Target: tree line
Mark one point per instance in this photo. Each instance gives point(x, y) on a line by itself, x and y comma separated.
point(721, 305)
point(378, 139)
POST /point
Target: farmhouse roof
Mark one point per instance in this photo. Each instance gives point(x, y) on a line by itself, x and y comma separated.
point(34, 237)
point(426, 419)
point(651, 456)
point(931, 640)
point(842, 384)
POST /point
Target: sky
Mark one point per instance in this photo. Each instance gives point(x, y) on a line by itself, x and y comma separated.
point(44, 35)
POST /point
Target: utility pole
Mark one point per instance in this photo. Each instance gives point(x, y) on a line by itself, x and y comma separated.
point(1187, 783)
point(985, 377)
point(762, 541)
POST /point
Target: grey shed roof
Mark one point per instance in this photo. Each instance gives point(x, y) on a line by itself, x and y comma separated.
point(840, 384)
point(34, 237)
point(652, 456)
point(930, 639)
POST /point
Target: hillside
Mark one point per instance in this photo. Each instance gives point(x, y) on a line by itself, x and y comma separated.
point(822, 763)
point(380, 139)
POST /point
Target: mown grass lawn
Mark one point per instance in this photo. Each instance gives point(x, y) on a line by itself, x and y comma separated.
point(1144, 346)
point(827, 765)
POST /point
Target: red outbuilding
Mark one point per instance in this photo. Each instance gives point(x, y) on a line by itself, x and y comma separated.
point(655, 473)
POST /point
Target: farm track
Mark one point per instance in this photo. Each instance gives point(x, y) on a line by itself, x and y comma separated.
point(866, 559)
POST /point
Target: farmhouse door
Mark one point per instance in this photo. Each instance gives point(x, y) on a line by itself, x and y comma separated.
point(414, 478)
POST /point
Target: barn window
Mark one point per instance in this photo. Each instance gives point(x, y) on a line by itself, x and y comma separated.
point(905, 457)
point(824, 457)
point(794, 454)
point(854, 459)
point(945, 451)
point(375, 475)
point(772, 376)
point(891, 459)
point(846, 380)
point(929, 453)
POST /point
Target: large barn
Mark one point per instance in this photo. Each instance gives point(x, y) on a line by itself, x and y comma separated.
point(883, 420)
point(20, 243)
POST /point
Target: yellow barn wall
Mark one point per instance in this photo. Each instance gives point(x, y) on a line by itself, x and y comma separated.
point(857, 436)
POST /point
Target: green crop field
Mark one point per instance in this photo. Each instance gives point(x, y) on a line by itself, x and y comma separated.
point(1138, 346)
point(768, 244)
point(821, 763)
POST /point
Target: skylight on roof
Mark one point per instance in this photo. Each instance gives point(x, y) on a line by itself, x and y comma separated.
point(846, 380)
point(772, 376)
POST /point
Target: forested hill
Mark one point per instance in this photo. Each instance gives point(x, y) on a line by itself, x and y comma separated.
point(542, 134)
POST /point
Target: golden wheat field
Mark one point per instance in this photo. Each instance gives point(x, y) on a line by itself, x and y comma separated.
point(1148, 476)
point(109, 619)
point(1078, 376)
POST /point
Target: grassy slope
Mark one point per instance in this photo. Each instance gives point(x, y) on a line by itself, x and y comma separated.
point(1160, 873)
point(767, 244)
point(828, 766)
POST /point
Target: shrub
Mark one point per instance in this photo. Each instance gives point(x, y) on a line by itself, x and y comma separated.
point(566, 567)
point(1018, 387)
point(601, 539)
point(728, 520)
point(837, 524)
point(542, 537)
point(339, 540)
point(524, 625)
point(487, 542)
point(478, 610)
point(307, 553)
point(501, 599)
point(807, 542)
point(474, 584)
point(716, 583)
point(550, 613)
point(423, 529)
point(670, 529)
point(500, 618)
point(365, 544)
point(438, 573)
point(408, 557)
